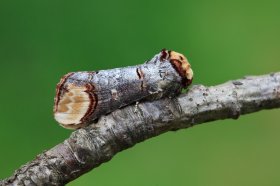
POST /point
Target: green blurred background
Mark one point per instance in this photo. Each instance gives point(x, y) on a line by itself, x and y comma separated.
point(42, 40)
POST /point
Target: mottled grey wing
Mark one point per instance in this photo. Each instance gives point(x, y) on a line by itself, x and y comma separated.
point(82, 97)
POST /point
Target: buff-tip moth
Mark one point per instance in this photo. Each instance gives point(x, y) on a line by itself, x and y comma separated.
point(82, 97)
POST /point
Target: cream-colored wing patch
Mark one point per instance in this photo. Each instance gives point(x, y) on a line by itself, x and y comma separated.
point(73, 106)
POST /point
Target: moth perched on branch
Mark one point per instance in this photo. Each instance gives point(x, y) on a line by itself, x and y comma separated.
point(82, 97)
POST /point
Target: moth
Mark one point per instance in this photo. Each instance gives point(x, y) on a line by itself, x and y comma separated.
point(82, 97)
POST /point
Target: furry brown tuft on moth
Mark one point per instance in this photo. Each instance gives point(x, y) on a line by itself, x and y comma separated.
point(83, 97)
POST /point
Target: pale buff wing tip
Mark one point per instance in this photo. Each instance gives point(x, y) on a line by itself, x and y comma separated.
point(73, 106)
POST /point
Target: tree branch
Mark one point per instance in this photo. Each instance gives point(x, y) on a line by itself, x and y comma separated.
point(88, 147)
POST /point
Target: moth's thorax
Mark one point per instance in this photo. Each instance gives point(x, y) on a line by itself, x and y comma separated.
point(82, 97)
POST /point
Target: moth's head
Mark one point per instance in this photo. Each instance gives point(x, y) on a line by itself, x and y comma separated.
point(181, 65)
point(73, 104)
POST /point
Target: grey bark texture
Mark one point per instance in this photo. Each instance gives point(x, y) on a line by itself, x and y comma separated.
point(89, 147)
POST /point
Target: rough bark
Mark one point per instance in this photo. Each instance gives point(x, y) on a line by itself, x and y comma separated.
point(87, 148)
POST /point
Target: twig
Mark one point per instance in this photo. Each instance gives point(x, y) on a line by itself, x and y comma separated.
point(87, 148)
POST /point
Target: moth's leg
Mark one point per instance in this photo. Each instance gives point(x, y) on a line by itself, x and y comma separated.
point(136, 106)
point(95, 121)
